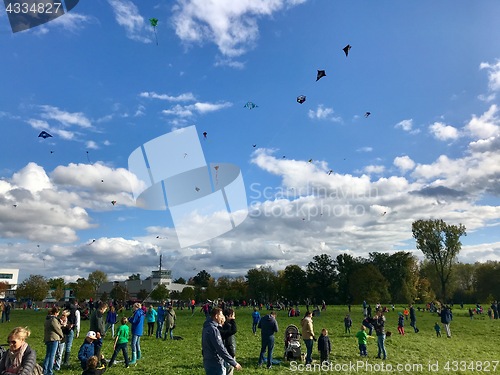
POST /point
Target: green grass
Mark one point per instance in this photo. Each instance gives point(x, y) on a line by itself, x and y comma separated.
point(475, 341)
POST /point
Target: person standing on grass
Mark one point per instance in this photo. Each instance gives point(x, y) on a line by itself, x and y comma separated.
point(52, 335)
point(151, 319)
point(255, 320)
point(347, 323)
point(362, 337)
point(268, 327)
point(324, 346)
point(413, 319)
point(121, 342)
point(137, 321)
point(446, 318)
point(308, 335)
point(437, 328)
point(170, 319)
point(227, 332)
point(111, 319)
point(97, 324)
point(379, 324)
point(160, 319)
point(212, 348)
point(401, 324)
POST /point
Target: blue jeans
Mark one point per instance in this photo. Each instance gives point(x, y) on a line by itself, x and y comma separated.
point(50, 355)
point(309, 350)
point(69, 343)
point(159, 328)
point(59, 355)
point(167, 330)
point(136, 344)
point(381, 346)
point(362, 350)
point(254, 327)
point(267, 342)
point(123, 348)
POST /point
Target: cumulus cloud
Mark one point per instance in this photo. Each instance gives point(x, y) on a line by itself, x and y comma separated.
point(444, 132)
point(231, 25)
point(406, 125)
point(404, 163)
point(322, 113)
point(65, 118)
point(493, 74)
point(485, 126)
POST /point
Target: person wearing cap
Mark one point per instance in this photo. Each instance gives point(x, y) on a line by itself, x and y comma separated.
point(87, 349)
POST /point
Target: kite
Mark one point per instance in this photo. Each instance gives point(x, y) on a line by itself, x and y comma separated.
point(346, 49)
point(197, 188)
point(330, 172)
point(321, 74)
point(51, 152)
point(185, 154)
point(216, 174)
point(301, 99)
point(254, 145)
point(154, 23)
point(92, 242)
point(205, 135)
point(310, 160)
point(113, 202)
point(44, 135)
point(14, 205)
point(367, 114)
point(250, 105)
point(88, 158)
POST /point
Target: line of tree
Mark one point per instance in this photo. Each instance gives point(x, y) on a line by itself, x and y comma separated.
point(381, 277)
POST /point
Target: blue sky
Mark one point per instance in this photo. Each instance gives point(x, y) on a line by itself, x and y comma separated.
point(429, 74)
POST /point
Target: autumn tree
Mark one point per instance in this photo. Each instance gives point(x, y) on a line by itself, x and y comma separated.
point(35, 287)
point(83, 289)
point(294, 281)
point(202, 279)
point(368, 284)
point(262, 284)
point(3, 288)
point(440, 243)
point(118, 293)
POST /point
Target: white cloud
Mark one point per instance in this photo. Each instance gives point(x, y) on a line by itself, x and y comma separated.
point(190, 110)
point(404, 163)
point(365, 149)
point(185, 97)
point(485, 126)
point(406, 125)
point(376, 169)
point(493, 75)
point(444, 132)
point(322, 113)
point(127, 15)
point(65, 118)
point(231, 25)
point(91, 145)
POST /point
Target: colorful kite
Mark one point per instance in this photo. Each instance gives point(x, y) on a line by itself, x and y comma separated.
point(301, 99)
point(154, 23)
point(113, 202)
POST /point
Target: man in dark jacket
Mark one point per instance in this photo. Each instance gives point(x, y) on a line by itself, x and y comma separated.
point(268, 326)
point(413, 319)
point(97, 324)
point(446, 317)
point(227, 332)
point(212, 348)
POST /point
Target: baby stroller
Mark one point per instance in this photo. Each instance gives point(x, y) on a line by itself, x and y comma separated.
point(292, 343)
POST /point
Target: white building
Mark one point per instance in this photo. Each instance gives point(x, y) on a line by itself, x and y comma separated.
point(135, 286)
point(9, 276)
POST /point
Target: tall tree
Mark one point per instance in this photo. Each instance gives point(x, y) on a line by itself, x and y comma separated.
point(97, 278)
point(294, 283)
point(262, 284)
point(345, 265)
point(440, 243)
point(34, 287)
point(56, 283)
point(202, 278)
point(160, 293)
point(134, 276)
point(321, 274)
point(401, 271)
point(180, 280)
point(368, 284)
point(118, 293)
point(84, 289)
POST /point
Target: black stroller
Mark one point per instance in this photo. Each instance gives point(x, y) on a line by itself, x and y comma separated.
point(292, 343)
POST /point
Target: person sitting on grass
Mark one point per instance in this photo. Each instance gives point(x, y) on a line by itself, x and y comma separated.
point(94, 367)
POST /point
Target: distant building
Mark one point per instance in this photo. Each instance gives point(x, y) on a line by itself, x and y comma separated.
point(133, 287)
point(9, 276)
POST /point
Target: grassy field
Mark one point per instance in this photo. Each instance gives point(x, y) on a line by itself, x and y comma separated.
point(474, 347)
